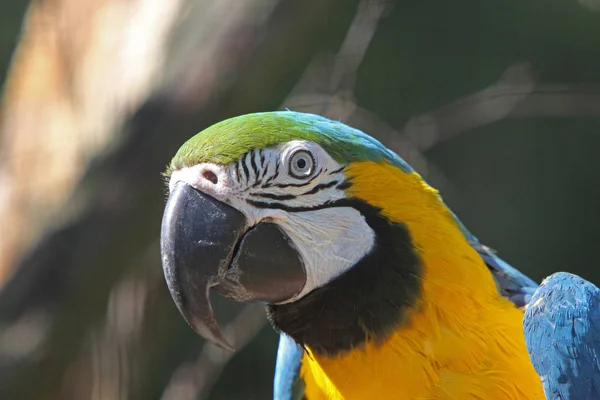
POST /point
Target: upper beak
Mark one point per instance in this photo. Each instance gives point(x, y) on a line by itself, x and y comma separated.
point(208, 244)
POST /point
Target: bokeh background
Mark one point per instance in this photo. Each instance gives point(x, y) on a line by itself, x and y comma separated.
point(495, 103)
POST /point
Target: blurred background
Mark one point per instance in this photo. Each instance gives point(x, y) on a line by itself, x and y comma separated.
point(495, 103)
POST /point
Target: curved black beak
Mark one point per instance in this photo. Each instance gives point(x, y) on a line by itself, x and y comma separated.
point(208, 244)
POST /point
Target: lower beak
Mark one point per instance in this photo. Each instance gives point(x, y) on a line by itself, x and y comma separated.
point(208, 244)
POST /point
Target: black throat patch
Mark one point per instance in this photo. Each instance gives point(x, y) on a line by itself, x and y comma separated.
point(366, 302)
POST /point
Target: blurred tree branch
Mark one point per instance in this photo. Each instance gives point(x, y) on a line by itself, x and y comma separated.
point(328, 84)
point(195, 380)
point(515, 95)
point(115, 210)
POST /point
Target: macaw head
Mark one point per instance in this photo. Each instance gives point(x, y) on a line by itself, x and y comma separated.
point(307, 215)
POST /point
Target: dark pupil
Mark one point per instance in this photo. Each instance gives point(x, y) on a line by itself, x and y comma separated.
point(301, 163)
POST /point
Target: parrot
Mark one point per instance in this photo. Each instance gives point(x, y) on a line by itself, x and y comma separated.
point(375, 286)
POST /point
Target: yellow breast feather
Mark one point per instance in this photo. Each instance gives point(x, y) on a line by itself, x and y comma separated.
point(463, 341)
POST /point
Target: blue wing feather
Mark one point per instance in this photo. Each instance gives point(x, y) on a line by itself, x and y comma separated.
point(562, 332)
point(512, 283)
point(287, 384)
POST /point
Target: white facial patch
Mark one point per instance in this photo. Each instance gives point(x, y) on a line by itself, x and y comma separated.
point(330, 240)
point(292, 185)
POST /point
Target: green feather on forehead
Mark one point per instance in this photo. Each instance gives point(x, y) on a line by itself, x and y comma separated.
point(225, 142)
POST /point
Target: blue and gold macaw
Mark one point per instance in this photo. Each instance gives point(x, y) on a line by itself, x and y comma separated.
point(378, 290)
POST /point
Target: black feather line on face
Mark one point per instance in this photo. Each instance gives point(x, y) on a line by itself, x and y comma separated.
point(245, 168)
point(238, 168)
point(272, 177)
point(263, 161)
point(344, 185)
point(340, 169)
point(367, 302)
point(320, 187)
point(273, 196)
point(237, 171)
point(281, 206)
point(286, 185)
point(253, 164)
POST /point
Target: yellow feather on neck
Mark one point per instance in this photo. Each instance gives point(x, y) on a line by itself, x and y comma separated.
point(464, 341)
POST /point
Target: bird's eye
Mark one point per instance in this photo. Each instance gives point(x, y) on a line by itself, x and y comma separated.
point(302, 164)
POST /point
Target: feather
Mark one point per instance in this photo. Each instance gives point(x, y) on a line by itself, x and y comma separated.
point(288, 385)
point(512, 283)
point(227, 141)
point(562, 333)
